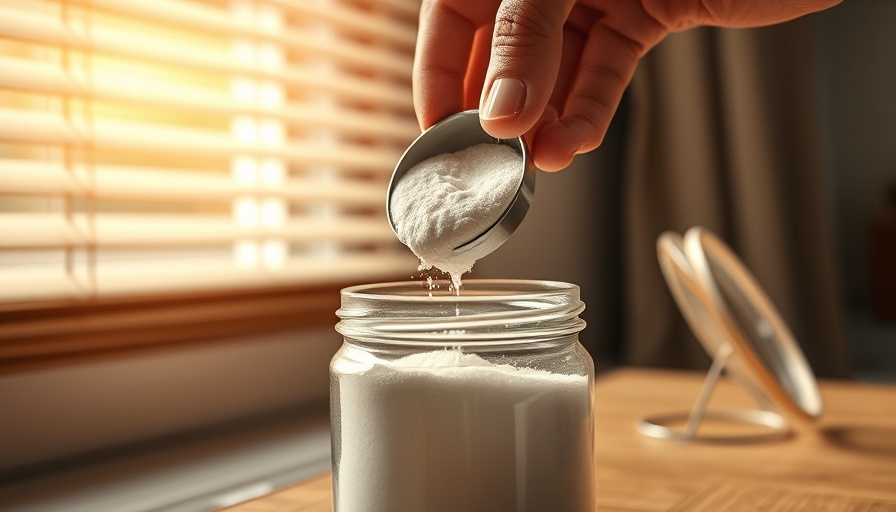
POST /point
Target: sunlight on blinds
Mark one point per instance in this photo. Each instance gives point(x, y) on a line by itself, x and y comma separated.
point(189, 145)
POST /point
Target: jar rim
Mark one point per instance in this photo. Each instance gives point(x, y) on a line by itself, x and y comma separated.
point(503, 290)
point(487, 311)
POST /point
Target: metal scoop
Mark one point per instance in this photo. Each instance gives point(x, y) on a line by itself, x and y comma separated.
point(452, 134)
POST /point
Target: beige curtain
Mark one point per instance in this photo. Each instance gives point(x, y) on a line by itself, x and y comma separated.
point(722, 133)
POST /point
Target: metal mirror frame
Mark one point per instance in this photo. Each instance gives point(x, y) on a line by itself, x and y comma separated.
point(715, 293)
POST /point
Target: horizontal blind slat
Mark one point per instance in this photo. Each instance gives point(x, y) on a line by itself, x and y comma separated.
point(204, 18)
point(48, 230)
point(49, 78)
point(409, 9)
point(354, 21)
point(30, 177)
point(41, 127)
point(125, 43)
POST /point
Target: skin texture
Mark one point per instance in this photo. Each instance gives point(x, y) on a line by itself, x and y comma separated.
point(564, 63)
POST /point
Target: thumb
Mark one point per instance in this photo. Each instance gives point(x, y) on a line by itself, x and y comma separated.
point(522, 70)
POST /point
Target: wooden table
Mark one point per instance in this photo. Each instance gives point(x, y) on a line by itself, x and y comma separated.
point(845, 462)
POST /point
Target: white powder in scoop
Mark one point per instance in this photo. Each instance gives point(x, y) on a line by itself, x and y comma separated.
point(446, 431)
point(450, 199)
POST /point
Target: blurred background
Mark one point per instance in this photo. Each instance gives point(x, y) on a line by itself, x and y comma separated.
point(185, 185)
point(775, 138)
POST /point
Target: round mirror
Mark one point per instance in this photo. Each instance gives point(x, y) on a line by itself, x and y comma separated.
point(764, 346)
point(700, 312)
point(742, 332)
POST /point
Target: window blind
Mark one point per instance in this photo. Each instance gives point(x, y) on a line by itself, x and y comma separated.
point(193, 145)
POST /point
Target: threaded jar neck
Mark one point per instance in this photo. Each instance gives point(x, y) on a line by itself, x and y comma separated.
point(486, 312)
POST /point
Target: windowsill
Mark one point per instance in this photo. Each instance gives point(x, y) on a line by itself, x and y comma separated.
point(186, 474)
point(192, 428)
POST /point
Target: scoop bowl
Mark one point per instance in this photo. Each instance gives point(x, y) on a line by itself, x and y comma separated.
point(452, 134)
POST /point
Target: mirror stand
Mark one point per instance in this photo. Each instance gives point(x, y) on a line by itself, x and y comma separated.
point(770, 424)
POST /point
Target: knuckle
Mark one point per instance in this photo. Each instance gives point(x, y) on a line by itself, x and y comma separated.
point(593, 116)
point(589, 124)
point(522, 28)
point(601, 73)
point(515, 37)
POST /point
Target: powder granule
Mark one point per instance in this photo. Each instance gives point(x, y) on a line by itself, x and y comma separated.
point(450, 199)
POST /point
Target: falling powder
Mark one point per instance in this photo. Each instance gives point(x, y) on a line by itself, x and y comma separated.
point(450, 199)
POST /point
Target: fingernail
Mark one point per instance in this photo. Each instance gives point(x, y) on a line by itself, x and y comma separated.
point(505, 99)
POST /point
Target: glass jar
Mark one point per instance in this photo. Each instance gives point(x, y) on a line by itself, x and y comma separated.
point(462, 403)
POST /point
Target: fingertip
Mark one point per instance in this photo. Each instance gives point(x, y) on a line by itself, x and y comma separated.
point(551, 158)
point(504, 99)
point(550, 164)
point(436, 103)
point(556, 144)
point(552, 161)
point(503, 128)
point(500, 108)
point(421, 121)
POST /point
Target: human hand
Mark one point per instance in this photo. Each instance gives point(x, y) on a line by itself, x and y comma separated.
point(555, 70)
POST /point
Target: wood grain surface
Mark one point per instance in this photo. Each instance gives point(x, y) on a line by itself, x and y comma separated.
point(846, 462)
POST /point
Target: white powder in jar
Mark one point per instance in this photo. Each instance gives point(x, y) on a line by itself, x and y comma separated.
point(446, 431)
point(450, 199)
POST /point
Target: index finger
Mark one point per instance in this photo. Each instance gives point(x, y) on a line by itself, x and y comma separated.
point(444, 42)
